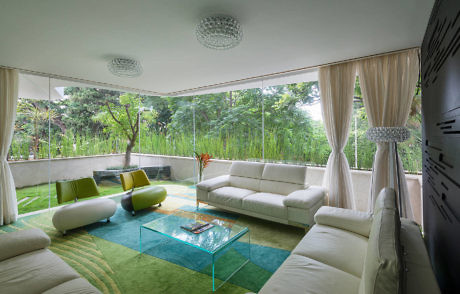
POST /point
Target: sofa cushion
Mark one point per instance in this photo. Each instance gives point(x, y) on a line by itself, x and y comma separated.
point(35, 271)
point(282, 188)
point(247, 169)
point(295, 174)
point(244, 183)
point(19, 242)
point(382, 267)
point(75, 286)
point(341, 249)
point(300, 274)
point(229, 196)
point(266, 203)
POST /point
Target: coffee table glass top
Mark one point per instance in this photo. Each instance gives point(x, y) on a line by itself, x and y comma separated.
point(211, 240)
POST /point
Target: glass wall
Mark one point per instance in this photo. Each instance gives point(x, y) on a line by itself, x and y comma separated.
point(64, 132)
point(274, 124)
point(168, 127)
point(30, 143)
point(228, 125)
point(67, 131)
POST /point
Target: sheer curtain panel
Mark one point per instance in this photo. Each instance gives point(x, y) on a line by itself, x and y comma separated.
point(388, 85)
point(8, 102)
point(337, 83)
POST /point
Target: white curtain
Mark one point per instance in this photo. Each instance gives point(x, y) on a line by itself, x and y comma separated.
point(8, 101)
point(388, 84)
point(336, 84)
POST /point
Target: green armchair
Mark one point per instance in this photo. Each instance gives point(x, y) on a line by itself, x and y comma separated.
point(76, 189)
point(80, 213)
point(143, 198)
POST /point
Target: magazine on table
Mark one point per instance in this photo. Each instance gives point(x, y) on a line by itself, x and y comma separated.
point(197, 227)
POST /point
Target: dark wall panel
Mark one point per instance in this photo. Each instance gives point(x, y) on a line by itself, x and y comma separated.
point(440, 58)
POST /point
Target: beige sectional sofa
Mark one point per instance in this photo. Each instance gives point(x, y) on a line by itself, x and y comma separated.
point(354, 252)
point(27, 266)
point(276, 192)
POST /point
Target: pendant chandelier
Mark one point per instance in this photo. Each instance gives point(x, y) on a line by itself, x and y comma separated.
point(219, 32)
point(125, 67)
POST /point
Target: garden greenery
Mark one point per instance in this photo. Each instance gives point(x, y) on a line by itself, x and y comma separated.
point(227, 125)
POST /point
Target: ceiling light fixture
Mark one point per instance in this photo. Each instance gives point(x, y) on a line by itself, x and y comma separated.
point(219, 32)
point(125, 67)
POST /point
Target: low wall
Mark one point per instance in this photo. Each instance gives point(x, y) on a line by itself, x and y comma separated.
point(34, 172)
point(182, 168)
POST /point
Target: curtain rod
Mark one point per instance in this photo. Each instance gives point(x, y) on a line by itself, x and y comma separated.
point(175, 93)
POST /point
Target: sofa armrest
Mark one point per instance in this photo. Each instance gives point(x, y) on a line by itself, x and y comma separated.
point(20, 242)
point(419, 276)
point(214, 183)
point(305, 199)
point(351, 220)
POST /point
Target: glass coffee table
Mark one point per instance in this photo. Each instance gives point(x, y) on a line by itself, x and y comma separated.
point(215, 241)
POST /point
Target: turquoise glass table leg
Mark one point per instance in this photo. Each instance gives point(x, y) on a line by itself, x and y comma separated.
point(140, 239)
point(246, 261)
point(249, 245)
point(213, 283)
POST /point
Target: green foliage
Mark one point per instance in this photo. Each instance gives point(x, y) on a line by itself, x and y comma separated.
point(227, 126)
point(78, 111)
point(122, 118)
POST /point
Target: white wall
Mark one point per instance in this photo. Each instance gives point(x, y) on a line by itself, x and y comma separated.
point(33, 172)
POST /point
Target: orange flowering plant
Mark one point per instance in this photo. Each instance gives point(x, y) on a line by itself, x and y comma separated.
point(203, 161)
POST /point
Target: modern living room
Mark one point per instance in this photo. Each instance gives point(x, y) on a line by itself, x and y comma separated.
point(229, 147)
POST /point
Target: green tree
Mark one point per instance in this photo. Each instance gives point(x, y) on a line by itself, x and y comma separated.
point(123, 118)
point(82, 105)
point(33, 115)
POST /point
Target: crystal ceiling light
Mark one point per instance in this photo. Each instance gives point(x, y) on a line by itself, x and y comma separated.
point(219, 32)
point(125, 67)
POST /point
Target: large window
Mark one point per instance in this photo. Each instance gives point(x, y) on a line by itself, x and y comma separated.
point(72, 132)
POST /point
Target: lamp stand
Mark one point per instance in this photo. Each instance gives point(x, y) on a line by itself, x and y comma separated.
point(394, 160)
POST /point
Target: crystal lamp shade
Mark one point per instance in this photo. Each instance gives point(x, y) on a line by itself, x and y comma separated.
point(388, 134)
point(125, 67)
point(219, 32)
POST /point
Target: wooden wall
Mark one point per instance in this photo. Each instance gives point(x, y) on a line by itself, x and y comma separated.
point(440, 59)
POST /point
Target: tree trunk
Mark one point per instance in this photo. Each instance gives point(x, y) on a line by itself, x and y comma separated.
point(230, 96)
point(36, 141)
point(60, 124)
point(129, 147)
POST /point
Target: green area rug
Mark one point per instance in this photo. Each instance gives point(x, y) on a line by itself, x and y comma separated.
point(106, 254)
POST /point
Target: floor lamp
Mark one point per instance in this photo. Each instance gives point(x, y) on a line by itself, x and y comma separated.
point(391, 135)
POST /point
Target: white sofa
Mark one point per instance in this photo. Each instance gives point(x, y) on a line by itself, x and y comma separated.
point(27, 266)
point(354, 252)
point(276, 192)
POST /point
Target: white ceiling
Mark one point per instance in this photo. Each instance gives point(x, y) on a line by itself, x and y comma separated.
point(77, 38)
